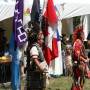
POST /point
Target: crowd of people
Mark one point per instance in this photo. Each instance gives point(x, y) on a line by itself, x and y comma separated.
point(76, 63)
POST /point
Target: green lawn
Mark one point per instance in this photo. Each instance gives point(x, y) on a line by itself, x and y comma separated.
point(64, 83)
point(61, 83)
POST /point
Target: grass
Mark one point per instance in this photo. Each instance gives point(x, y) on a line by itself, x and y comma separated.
point(65, 83)
point(60, 83)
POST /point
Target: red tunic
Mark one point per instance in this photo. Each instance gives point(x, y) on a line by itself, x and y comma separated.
point(77, 48)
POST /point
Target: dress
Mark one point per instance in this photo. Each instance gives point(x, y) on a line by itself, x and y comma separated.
point(35, 78)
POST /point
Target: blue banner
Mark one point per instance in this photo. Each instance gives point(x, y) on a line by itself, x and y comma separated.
point(15, 70)
point(15, 66)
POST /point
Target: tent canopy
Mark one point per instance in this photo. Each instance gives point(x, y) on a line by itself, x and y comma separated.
point(6, 10)
point(71, 8)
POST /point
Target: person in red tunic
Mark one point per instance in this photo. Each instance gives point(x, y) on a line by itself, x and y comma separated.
point(79, 59)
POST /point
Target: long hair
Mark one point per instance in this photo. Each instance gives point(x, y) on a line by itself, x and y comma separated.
point(77, 33)
point(33, 33)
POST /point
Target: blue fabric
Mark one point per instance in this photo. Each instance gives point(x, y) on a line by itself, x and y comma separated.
point(58, 36)
point(15, 66)
point(15, 70)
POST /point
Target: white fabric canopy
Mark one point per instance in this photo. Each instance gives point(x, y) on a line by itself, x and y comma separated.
point(71, 8)
point(6, 10)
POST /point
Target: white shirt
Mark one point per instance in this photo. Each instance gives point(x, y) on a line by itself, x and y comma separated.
point(34, 52)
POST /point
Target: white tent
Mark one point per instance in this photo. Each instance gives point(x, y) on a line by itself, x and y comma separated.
point(6, 9)
point(71, 8)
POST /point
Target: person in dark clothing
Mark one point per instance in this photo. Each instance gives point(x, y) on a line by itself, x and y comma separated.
point(88, 40)
point(36, 65)
point(89, 59)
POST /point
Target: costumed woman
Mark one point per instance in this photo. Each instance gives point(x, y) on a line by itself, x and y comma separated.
point(36, 66)
point(79, 59)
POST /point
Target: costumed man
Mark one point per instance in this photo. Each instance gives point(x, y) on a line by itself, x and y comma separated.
point(36, 65)
point(79, 59)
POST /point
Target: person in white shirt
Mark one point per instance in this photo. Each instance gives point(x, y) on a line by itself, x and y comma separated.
point(36, 65)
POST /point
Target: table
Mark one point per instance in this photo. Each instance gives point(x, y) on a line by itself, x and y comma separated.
point(5, 69)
